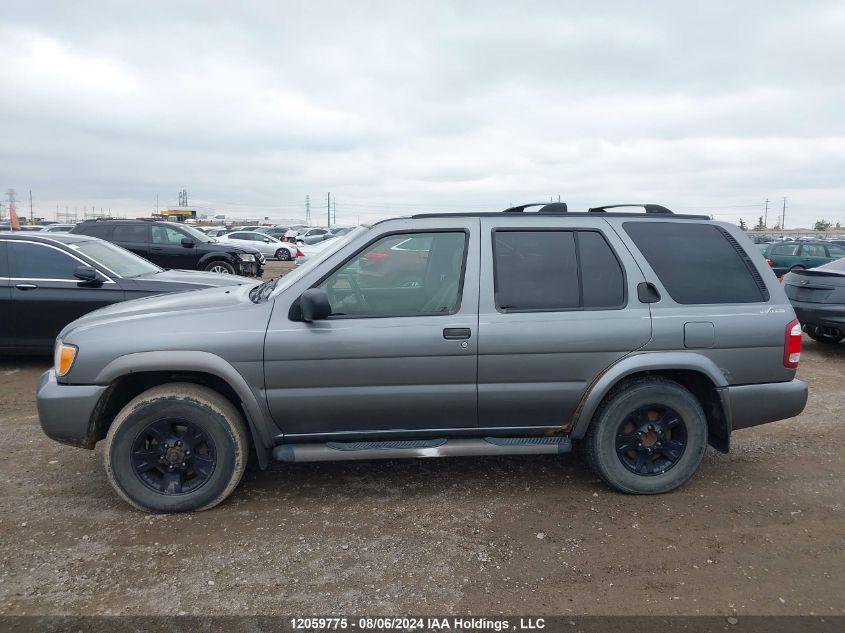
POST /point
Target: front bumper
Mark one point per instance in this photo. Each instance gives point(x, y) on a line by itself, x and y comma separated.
point(250, 269)
point(752, 405)
point(65, 411)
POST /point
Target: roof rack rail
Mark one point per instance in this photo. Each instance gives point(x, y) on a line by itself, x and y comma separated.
point(546, 207)
point(649, 208)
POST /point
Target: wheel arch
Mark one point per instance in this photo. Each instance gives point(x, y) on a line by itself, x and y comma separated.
point(130, 375)
point(696, 373)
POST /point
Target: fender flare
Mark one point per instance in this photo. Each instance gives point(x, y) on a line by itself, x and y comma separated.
point(256, 413)
point(216, 255)
point(635, 364)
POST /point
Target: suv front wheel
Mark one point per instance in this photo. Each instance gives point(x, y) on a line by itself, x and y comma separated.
point(648, 437)
point(176, 448)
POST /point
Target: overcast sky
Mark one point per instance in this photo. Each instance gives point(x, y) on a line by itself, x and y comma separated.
point(402, 106)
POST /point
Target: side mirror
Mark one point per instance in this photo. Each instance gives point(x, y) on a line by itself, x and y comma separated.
point(187, 242)
point(86, 273)
point(267, 240)
point(315, 305)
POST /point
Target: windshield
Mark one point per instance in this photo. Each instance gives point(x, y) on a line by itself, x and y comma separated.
point(273, 287)
point(119, 261)
point(196, 234)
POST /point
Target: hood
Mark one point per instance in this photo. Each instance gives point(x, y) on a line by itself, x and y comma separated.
point(201, 278)
point(183, 303)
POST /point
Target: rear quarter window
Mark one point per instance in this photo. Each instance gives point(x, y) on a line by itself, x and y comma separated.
point(95, 230)
point(698, 263)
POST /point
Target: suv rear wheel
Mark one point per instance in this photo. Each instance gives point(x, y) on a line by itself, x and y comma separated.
point(176, 448)
point(648, 437)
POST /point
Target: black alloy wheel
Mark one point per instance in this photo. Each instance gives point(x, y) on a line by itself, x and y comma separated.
point(651, 440)
point(172, 456)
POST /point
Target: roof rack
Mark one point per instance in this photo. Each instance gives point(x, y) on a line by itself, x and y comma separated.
point(546, 207)
point(649, 208)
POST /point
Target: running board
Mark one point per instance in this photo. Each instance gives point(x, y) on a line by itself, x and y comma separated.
point(441, 447)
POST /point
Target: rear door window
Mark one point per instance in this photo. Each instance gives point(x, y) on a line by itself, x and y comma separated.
point(785, 250)
point(132, 233)
point(556, 270)
point(813, 250)
point(698, 263)
point(103, 231)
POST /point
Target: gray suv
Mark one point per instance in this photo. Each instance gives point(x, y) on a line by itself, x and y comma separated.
point(642, 337)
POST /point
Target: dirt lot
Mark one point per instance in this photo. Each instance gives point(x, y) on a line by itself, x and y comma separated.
point(759, 531)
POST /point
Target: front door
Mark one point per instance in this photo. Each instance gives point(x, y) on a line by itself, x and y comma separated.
point(167, 249)
point(7, 337)
point(398, 352)
point(558, 306)
point(45, 294)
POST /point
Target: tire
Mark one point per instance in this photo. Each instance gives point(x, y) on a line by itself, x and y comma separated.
point(283, 254)
point(623, 419)
point(220, 267)
point(159, 426)
point(817, 335)
point(796, 268)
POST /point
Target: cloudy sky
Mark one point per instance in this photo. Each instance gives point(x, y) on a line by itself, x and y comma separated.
point(402, 106)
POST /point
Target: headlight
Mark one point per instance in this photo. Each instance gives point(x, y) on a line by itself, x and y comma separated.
point(64, 357)
point(246, 257)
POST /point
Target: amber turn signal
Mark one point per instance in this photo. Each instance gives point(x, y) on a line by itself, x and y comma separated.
point(65, 355)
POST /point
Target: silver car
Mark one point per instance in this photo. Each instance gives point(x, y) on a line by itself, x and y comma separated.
point(524, 332)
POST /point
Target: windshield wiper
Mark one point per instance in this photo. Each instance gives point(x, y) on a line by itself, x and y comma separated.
point(262, 292)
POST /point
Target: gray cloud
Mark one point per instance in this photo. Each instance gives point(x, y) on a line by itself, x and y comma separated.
point(399, 106)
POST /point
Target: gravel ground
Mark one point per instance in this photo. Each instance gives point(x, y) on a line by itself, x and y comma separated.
point(759, 531)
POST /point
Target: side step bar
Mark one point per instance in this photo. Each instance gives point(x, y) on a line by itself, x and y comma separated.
point(441, 447)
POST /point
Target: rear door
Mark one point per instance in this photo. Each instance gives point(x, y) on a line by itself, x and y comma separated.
point(45, 294)
point(558, 306)
point(813, 255)
point(133, 237)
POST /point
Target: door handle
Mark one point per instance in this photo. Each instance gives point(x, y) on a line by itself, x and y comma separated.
point(456, 333)
point(25, 286)
point(156, 248)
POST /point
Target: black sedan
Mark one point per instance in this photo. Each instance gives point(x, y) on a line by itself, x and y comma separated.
point(818, 296)
point(48, 280)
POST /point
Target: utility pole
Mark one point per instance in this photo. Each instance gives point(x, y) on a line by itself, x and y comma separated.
point(308, 210)
point(766, 215)
point(783, 222)
point(156, 205)
point(334, 207)
point(329, 208)
point(31, 216)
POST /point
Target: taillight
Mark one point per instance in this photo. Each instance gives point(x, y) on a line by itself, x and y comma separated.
point(299, 253)
point(792, 344)
point(770, 262)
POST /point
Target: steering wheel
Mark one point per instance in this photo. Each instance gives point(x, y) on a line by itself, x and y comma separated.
point(356, 291)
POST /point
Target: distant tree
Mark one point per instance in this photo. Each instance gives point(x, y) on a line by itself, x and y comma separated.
point(761, 226)
point(822, 225)
point(743, 225)
point(776, 227)
point(837, 226)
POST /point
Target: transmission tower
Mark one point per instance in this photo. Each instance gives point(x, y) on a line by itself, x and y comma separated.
point(308, 210)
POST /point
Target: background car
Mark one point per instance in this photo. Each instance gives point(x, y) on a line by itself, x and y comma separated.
point(818, 296)
point(274, 231)
point(217, 232)
point(173, 245)
point(49, 280)
point(58, 228)
point(266, 244)
point(801, 255)
point(311, 235)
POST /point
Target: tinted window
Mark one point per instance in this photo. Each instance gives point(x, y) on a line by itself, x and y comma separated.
point(239, 236)
point(37, 261)
point(785, 250)
point(696, 262)
point(536, 270)
point(601, 274)
point(836, 251)
point(384, 281)
point(4, 271)
point(103, 231)
point(134, 233)
point(166, 235)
